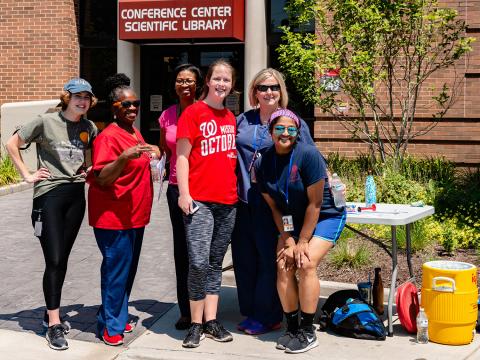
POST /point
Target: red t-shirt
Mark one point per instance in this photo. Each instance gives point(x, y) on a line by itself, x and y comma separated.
point(213, 157)
point(127, 203)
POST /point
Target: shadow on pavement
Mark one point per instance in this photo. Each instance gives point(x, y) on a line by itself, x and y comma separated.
point(144, 313)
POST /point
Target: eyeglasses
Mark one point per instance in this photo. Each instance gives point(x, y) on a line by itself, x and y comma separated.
point(264, 88)
point(280, 129)
point(127, 103)
point(188, 82)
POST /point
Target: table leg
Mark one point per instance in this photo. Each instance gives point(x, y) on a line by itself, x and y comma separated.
point(409, 249)
point(393, 280)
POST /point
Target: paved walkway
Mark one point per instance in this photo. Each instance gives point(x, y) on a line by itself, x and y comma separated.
point(21, 306)
point(22, 264)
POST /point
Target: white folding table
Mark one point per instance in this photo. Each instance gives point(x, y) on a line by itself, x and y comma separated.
point(392, 215)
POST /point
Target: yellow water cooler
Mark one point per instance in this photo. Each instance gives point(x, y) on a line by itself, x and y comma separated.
point(449, 296)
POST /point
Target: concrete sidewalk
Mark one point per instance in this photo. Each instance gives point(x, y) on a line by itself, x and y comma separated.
point(162, 341)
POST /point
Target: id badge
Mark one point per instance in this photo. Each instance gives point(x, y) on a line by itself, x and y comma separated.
point(287, 223)
point(38, 224)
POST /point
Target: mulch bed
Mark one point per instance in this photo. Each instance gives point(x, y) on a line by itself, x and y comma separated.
point(380, 258)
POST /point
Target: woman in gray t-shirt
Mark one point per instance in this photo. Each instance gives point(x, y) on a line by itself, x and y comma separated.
point(61, 140)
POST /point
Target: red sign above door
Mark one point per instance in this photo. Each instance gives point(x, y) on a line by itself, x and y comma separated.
point(181, 19)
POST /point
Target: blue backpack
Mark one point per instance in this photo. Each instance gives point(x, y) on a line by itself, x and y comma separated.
point(345, 314)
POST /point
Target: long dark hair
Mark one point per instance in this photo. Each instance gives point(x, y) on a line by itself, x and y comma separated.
point(198, 77)
point(218, 62)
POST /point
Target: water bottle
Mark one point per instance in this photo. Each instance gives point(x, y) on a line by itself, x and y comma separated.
point(370, 191)
point(422, 327)
point(338, 189)
point(154, 168)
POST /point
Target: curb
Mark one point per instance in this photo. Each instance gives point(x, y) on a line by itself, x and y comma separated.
point(327, 288)
point(10, 189)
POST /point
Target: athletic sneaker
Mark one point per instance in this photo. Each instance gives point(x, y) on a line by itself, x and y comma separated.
point(65, 324)
point(257, 328)
point(242, 325)
point(112, 340)
point(129, 328)
point(303, 341)
point(194, 336)
point(283, 340)
point(214, 330)
point(56, 337)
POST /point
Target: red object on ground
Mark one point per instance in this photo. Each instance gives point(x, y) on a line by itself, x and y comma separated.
point(408, 306)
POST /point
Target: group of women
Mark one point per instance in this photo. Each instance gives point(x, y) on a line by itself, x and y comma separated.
point(257, 180)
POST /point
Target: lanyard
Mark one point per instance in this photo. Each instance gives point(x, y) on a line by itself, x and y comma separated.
point(288, 175)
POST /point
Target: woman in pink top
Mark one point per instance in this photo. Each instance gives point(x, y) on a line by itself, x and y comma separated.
point(187, 88)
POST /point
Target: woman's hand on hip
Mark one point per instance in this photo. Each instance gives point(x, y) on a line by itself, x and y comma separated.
point(39, 175)
point(185, 203)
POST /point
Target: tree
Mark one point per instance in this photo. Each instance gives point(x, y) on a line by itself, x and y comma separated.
point(384, 52)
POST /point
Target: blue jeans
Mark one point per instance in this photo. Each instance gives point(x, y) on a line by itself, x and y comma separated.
point(120, 250)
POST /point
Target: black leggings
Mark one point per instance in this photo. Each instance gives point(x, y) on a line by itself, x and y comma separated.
point(62, 210)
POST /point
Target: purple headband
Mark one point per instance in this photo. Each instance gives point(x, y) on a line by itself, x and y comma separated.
point(286, 113)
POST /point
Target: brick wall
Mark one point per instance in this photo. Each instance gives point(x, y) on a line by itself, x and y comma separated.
point(457, 137)
point(39, 48)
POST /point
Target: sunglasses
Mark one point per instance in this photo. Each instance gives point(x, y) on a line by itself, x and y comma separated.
point(188, 82)
point(264, 88)
point(280, 129)
point(127, 103)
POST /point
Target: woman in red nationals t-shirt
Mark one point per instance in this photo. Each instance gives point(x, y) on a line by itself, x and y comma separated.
point(206, 160)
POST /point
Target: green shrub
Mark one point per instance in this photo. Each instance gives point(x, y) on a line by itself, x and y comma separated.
point(8, 172)
point(420, 234)
point(435, 181)
point(346, 254)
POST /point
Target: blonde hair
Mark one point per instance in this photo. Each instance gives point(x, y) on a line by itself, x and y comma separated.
point(263, 75)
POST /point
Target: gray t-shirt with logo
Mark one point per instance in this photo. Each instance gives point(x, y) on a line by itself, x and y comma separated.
point(61, 146)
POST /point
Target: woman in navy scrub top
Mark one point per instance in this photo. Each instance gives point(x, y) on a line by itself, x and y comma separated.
point(254, 239)
point(293, 180)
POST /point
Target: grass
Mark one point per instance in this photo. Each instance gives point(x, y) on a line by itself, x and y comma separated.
point(346, 254)
point(8, 172)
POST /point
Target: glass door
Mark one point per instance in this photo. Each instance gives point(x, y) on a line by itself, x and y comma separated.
point(157, 90)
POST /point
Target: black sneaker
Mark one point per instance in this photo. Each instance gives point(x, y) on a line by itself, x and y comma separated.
point(303, 341)
point(65, 324)
point(214, 330)
point(194, 336)
point(283, 340)
point(56, 337)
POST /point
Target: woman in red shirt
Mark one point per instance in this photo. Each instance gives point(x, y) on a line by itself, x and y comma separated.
point(119, 205)
point(206, 161)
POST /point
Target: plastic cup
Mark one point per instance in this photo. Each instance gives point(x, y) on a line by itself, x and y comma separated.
point(365, 290)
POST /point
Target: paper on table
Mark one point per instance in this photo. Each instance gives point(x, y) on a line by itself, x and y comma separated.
point(161, 171)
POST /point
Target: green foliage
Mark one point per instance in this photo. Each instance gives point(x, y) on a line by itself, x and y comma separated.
point(8, 172)
point(453, 192)
point(344, 254)
point(385, 52)
point(420, 234)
